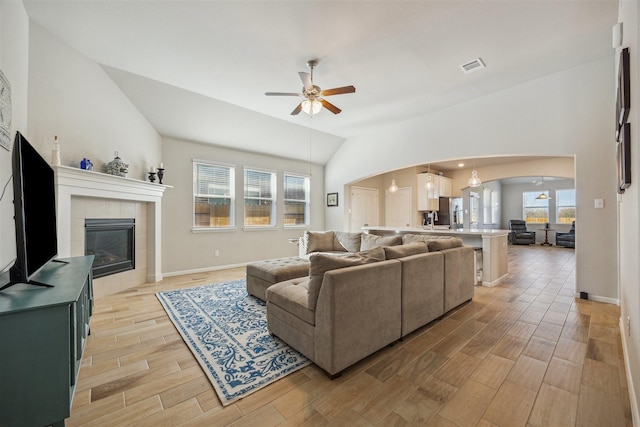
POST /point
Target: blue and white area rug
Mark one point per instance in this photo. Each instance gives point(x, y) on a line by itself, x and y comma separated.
point(226, 329)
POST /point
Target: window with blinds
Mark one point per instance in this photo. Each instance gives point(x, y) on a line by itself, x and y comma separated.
point(565, 206)
point(296, 200)
point(213, 195)
point(259, 198)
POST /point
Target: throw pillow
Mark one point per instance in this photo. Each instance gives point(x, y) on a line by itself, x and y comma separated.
point(321, 263)
point(401, 251)
point(370, 241)
point(319, 241)
point(345, 241)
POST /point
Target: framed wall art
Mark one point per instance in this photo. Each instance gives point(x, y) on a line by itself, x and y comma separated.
point(5, 112)
point(332, 199)
point(623, 95)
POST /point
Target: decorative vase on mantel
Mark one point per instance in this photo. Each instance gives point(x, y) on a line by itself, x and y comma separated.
point(117, 166)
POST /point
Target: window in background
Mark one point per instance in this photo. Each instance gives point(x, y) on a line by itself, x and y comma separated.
point(565, 206)
point(296, 200)
point(535, 210)
point(259, 198)
point(213, 195)
point(486, 206)
point(495, 207)
point(474, 202)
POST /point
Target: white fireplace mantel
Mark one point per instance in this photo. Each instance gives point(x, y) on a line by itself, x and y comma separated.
point(72, 182)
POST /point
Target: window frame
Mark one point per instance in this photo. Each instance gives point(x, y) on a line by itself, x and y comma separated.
point(307, 192)
point(230, 170)
point(273, 186)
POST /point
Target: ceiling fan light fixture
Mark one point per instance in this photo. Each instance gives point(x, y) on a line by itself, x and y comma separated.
point(543, 196)
point(311, 107)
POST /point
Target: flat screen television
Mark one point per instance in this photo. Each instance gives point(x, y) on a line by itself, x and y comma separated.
point(34, 204)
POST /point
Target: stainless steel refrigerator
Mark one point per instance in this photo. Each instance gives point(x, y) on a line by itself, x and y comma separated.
point(450, 212)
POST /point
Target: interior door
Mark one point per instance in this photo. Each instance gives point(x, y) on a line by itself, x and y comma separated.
point(365, 208)
point(397, 208)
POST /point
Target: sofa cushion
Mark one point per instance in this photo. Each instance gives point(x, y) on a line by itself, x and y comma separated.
point(291, 295)
point(401, 251)
point(370, 241)
point(410, 238)
point(279, 269)
point(434, 243)
point(321, 263)
point(441, 244)
point(345, 241)
point(318, 241)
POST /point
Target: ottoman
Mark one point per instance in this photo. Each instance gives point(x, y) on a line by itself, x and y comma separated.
point(262, 274)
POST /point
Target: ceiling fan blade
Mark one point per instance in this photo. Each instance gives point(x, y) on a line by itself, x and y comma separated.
point(297, 110)
point(282, 94)
point(338, 90)
point(329, 106)
point(306, 80)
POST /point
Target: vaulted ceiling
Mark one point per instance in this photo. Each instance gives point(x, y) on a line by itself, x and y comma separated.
point(198, 70)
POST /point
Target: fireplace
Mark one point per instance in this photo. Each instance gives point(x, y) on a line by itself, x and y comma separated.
point(112, 242)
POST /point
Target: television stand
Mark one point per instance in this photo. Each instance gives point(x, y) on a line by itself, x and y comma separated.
point(43, 336)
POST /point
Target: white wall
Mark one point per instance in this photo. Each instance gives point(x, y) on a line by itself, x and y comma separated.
point(564, 114)
point(184, 251)
point(14, 62)
point(629, 214)
point(72, 97)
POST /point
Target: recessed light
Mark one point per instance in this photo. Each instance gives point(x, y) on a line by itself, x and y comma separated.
point(460, 165)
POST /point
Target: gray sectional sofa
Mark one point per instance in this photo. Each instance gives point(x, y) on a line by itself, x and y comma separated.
point(350, 304)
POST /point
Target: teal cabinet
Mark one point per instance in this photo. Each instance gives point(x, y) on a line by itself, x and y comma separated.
point(42, 336)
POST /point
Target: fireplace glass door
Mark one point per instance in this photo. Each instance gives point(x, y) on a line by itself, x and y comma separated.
point(112, 242)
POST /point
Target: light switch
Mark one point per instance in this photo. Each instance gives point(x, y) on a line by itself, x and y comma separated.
point(598, 203)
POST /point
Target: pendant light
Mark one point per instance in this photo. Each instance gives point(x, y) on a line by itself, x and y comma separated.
point(543, 195)
point(474, 181)
point(429, 184)
point(393, 188)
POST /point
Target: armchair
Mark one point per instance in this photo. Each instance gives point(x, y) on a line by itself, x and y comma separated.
point(567, 239)
point(519, 234)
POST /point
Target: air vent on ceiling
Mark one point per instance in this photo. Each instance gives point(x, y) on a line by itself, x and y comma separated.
point(472, 66)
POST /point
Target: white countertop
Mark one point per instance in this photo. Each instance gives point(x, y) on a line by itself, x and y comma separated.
point(485, 232)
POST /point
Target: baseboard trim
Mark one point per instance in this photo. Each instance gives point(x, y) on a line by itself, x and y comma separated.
point(635, 412)
point(495, 282)
point(598, 298)
point(203, 270)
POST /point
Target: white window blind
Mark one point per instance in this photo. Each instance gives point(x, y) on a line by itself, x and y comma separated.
point(259, 198)
point(296, 200)
point(213, 195)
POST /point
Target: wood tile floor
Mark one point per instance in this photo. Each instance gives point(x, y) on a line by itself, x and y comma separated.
point(526, 353)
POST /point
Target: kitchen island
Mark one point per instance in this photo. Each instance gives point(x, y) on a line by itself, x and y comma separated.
point(493, 243)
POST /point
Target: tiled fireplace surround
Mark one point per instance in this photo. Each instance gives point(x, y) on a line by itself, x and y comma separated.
point(84, 194)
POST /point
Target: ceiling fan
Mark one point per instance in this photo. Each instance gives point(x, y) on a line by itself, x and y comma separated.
point(314, 96)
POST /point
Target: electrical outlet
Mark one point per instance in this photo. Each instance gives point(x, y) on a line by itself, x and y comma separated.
point(217, 252)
